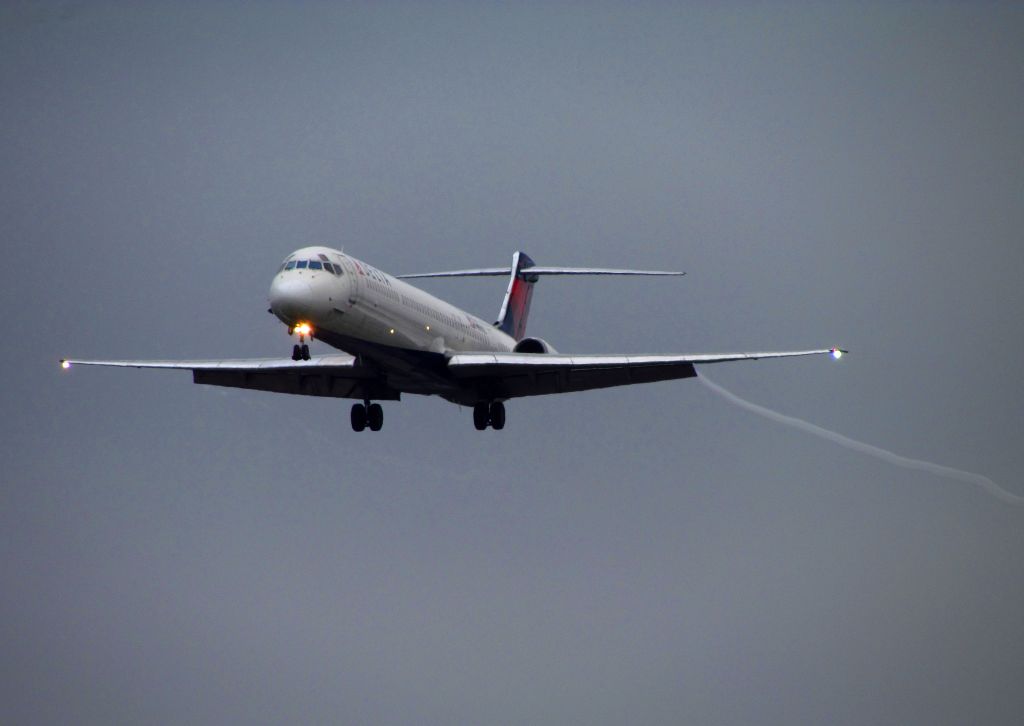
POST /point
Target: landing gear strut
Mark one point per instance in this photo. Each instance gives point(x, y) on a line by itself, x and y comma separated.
point(367, 414)
point(492, 414)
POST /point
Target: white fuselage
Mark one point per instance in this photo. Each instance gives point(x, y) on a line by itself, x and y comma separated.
point(357, 301)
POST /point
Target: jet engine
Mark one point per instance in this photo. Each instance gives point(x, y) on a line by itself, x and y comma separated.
point(533, 345)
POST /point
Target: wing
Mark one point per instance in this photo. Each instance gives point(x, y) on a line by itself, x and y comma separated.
point(337, 376)
point(510, 375)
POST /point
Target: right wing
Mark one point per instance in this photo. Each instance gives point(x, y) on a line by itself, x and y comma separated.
point(337, 376)
point(510, 375)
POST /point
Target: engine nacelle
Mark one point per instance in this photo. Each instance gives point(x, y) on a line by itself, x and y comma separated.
point(533, 345)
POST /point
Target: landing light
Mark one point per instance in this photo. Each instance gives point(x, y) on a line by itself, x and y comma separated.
point(303, 328)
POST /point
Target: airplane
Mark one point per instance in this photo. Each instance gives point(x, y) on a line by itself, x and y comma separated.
point(396, 338)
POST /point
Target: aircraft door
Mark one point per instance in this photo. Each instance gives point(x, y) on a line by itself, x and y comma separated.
point(352, 306)
point(355, 280)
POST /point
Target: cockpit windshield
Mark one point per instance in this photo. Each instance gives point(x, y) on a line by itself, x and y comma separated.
point(321, 264)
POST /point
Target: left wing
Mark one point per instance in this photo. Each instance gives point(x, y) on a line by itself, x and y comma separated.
point(510, 375)
point(337, 376)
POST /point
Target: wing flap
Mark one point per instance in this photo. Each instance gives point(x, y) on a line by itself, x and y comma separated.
point(502, 375)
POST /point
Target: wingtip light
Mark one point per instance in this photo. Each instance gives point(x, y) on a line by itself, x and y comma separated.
point(837, 353)
point(65, 364)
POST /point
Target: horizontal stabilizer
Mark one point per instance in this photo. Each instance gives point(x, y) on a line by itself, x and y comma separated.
point(539, 270)
point(523, 273)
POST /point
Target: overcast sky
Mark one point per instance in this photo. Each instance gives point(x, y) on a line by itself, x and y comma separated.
point(826, 174)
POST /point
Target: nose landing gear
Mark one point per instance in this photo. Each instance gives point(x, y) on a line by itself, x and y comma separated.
point(301, 351)
point(492, 414)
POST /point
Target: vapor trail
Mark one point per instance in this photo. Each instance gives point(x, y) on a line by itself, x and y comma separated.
point(965, 476)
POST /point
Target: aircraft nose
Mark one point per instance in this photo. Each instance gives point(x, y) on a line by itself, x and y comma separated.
point(291, 300)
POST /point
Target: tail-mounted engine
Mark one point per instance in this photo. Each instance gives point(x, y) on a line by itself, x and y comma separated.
point(533, 345)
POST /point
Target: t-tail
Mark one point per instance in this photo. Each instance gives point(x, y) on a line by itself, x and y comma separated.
point(523, 273)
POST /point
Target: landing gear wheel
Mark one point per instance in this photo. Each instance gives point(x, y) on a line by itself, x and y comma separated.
point(296, 353)
point(497, 415)
point(481, 416)
point(358, 417)
point(304, 351)
point(375, 416)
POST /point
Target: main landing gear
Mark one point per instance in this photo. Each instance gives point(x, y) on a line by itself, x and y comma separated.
point(367, 414)
point(492, 414)
point(300, 352)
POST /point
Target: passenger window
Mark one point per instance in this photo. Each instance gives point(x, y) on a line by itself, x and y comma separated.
point(290, 265)
point(314, 265)
point(301, 264)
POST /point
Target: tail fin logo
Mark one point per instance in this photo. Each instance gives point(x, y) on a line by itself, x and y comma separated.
point(516, 307)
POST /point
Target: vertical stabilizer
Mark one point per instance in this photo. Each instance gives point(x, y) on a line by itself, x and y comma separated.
point(516, 307)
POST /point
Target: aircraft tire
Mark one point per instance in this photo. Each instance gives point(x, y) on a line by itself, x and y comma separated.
point(296, 353)
point(358, 417)
point(375, 416)
point(305, 352)
point(480, 416)
point(497, 415)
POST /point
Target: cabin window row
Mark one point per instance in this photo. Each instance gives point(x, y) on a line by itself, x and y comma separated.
point(382, 289)
point(449, 320)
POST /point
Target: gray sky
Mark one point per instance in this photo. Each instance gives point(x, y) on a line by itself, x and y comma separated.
point(173, 553)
